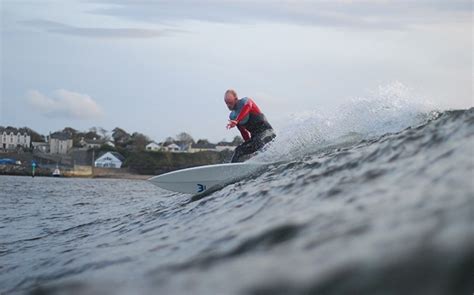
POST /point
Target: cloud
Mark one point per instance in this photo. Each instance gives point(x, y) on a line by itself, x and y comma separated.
point(366, 14)
point(65, 104)
point(60, 28)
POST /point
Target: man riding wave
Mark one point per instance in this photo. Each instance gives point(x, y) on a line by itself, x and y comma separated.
point(251, 122)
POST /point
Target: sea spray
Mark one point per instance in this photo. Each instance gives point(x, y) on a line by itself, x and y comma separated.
point(391, 108)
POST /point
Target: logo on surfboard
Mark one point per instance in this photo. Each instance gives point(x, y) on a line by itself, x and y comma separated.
point(201, 187)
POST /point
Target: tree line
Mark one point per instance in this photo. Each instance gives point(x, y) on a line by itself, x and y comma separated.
point(121, 138)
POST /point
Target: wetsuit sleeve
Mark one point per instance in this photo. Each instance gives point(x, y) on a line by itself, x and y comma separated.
point(245, 133)
point(245, 110)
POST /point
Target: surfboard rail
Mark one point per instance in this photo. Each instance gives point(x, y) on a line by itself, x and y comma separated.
point(197, 180)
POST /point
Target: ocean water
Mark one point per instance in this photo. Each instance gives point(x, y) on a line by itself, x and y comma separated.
point(376, 200)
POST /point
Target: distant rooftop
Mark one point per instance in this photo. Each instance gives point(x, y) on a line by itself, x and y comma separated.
point(60, 135)
point(10, 129)
point(96, 141)
point(117, 155)
point(203, 145)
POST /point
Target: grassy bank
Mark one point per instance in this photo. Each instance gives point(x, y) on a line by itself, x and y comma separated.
point(153, 163)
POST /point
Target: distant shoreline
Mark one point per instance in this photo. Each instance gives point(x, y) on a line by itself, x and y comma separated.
point(17, 170)
point(128, 177)
point(124, 176)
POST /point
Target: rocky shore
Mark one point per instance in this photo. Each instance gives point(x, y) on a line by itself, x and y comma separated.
point(23, 170)
point(19, 170)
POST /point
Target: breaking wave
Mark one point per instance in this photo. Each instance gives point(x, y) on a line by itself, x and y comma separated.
point(390, 109)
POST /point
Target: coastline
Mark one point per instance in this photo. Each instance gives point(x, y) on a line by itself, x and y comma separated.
point(17, 170)
point(138, 165)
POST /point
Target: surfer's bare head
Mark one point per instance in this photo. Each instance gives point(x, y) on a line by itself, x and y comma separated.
point(230, 98)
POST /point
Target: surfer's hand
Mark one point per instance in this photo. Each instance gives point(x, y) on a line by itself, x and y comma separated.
point(231, 124)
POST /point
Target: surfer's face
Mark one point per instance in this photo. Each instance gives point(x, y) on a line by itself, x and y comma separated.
point(230, 100)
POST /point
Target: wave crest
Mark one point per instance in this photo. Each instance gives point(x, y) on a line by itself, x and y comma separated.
point(391, 108)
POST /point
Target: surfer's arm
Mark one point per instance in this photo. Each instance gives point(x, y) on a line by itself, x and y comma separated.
point(245, 110)
point(245, 133)
point(231, 124)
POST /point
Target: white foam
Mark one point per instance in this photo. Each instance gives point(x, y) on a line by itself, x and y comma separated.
point(391, 108)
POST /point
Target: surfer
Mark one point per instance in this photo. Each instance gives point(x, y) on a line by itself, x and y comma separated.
point(251, 122)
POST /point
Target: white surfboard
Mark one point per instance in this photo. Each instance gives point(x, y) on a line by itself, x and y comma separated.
point(197, 180)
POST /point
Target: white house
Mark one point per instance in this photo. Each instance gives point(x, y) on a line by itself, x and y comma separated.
point(11, 138)
point(109, 160)
point(95, 143)
point(202, 146)
point(174, 148)
point(170, 147)
point(60, 143)
point(153, 146)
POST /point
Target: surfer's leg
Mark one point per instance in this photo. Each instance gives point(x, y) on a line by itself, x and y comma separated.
point(243, 149)
point(268, 137)
point(251, 146)
point(262, 139)
point(237, 154)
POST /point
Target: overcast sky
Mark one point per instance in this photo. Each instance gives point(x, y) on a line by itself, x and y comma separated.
point(161, 67)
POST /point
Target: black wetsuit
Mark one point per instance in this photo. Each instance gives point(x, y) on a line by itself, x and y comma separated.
point(253, 126)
